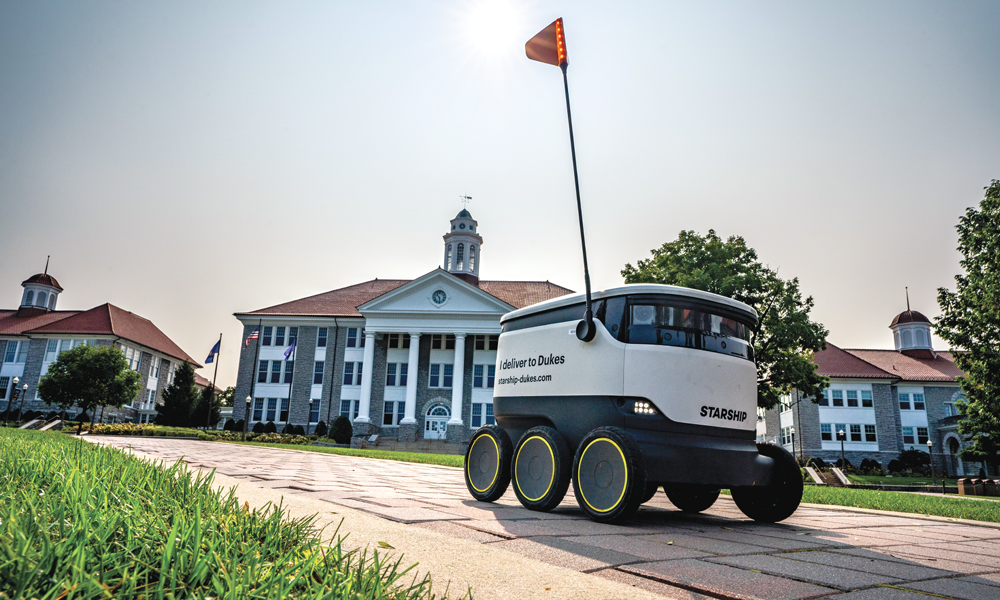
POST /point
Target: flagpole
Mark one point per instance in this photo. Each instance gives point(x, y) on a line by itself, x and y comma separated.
point(584, 330)
point(208, 419)
point(253, 380)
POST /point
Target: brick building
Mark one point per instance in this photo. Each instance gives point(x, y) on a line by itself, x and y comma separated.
point(408, 359)
point(885, 401)
point(34, 334)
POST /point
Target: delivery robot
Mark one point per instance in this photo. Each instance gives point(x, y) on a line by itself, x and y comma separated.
point(664, 394)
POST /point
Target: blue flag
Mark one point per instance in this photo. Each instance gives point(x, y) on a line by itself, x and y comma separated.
point(289, 350)
point(214, 351)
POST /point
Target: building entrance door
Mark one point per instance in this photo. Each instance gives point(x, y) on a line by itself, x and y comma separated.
point(436, 422)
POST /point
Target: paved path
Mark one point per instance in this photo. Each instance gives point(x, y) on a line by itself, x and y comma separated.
point(820, 551)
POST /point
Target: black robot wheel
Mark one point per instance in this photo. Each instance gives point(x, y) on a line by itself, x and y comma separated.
point(777, 501)
point(541, 469)
point(691, 498)
point(609, 475)
point(487, 463)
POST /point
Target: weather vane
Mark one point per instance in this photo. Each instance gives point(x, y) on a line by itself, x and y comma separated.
point(465, 200)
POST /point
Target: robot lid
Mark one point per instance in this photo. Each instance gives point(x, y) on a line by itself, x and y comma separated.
point(635, 289)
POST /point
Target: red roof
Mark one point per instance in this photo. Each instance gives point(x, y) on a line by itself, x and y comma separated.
point(911, 369)
point(11, 324)
point(834, 362)
point(108, 319)
point(44, 279)
point(343, 302)
point(909, 316)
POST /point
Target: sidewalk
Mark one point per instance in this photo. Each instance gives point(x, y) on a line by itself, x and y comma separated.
point(504, 551)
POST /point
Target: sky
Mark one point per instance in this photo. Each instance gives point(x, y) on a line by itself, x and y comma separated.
point(187, 160)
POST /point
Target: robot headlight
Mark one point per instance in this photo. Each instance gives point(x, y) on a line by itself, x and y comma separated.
point(641, 407)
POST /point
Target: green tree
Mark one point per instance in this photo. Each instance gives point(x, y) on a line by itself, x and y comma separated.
point(970, 322)
point(90, 376)
point(179, 399)
point(226, 398)
point(785, 338)
point(207, 401)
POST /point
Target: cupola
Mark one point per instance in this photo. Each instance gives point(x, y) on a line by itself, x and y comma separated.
point(462, 248)
point(40, 292)
point(911, 332)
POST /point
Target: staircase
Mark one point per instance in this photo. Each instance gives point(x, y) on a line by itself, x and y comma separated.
point(831, 479)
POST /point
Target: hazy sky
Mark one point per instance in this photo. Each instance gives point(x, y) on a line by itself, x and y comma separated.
point(187, 160)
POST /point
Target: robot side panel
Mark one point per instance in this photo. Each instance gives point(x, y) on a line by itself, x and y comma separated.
point(550, 361)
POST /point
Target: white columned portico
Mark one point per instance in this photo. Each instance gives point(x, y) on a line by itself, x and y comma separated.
point(366, 379)
point(458, 380)
point(409, 416)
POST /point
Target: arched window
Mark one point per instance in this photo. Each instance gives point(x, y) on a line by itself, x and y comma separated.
point(907, 339)
point(460, 259)
point(472, 258)
point(897, 339)
point(42, 298)
point(29, 298)
point(52, 302)
point(447, 259)
point(920, 338)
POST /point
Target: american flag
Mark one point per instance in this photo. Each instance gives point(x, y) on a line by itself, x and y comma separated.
point(252, 336)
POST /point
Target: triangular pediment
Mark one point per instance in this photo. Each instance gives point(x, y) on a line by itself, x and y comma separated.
point(437, 292)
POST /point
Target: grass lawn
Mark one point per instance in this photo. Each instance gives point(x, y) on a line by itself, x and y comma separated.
point(883, 480)
point(955, 507)
point(447, 460)
point(84, 521)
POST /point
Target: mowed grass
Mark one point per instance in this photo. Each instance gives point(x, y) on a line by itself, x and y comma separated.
point(883, 480)
point(83, 521)
point(446, 460)
point(954, 507)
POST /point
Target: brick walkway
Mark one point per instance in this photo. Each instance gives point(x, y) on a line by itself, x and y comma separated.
point(843, 554)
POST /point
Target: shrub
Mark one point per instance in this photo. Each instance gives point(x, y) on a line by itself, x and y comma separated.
point(281, 438)
point(895, 467)
point(341, 431)
point(818, 463)
point(269, 428)
point(239, 425)
point(320, 429)
point(229, 426)
point(298, 430)
point(914, 459)
point(843, 463)
point(258, 427)
point(286, 428)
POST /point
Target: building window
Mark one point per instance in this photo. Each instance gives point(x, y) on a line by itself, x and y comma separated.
point(922, 436)
point(472, 257)
point(42, 298)
point(262, 372)
point(460, 258)
point(393, 413)
point(355, 337)
point(441, 376)
point(837, 396)
point(321, 334)
point(289, 368)
point(856, 433)
point(4, 386)
point(478, 376)
point(279, 336)
point(486, 342)
point(30, 298)
point(435, 376)
point(438, 340)
point(293, 335)
point(907, 435)
point(786, 402)
point(258, 409)
point(390, 377)
point(491, 373)
point(852, 398)
point(398, 340)
point(318, 372)
point(870, 433)
point(265, 338)
point(866, 399)
point(275, 371)
point(345, 408)
point(950, 410)
point(403, 369)
point(824, 400)
point(51, 349)
point(447, 259)
point(786, 436)
point(272, 408)
point(840, 431)
point(314, 411)
point(918, 402)
point(284, 410)
point(826, 432)
point(447, 377)
point(154, 368)
point(352, 373)
point(904, 402)
point(482, 414)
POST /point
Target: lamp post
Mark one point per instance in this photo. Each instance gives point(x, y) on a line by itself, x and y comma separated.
point(842, 435)
point(930, 445)
point(20, 408)
point(791, 430)
point(246, 419)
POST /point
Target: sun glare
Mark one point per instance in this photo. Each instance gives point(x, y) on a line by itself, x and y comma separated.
point(493, 28)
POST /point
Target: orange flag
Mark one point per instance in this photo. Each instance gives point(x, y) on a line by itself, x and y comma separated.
point(549, 45)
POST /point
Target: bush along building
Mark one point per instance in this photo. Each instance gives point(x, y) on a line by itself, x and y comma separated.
point(405, 359)
point(33, 335)
point(885, 402)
